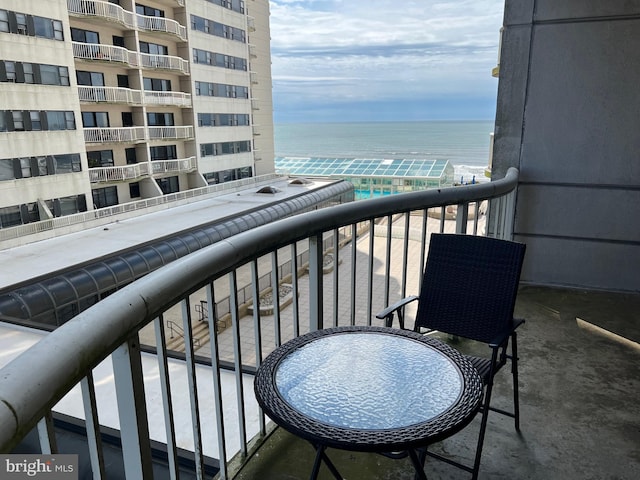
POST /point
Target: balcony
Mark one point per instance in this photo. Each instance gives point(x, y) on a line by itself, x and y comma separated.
point(163, 25)
point(115, 13)
point(128, 96)
point(118, 173)
point(578, 350)
point(111, 53)
point(164, 62)
point(105, 53)
point(174, 99)
point(114, 134)
point(170, 133)
point(181, 165)
point(89, 94)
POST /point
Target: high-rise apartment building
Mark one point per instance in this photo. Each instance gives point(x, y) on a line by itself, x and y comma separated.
point(108, 102)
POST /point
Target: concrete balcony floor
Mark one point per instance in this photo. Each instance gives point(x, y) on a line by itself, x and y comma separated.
point(579, 398)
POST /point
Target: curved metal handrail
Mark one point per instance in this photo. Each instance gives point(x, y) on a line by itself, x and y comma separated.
point(32, 383)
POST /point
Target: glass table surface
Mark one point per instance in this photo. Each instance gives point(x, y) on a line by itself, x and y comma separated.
point(368, 380)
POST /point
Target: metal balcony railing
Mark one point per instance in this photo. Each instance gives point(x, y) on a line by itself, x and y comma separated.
point(118, 174)
point(171, 133)
point(92, 94)
point(128, 96)
point(180, 165)
point(114, 134)
point(107, 53)
point(115, 13)
point(358, 232)
point(111, 53)
point(164, 62)
point(178, 99)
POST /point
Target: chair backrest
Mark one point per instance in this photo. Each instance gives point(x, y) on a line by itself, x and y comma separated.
point(470, 285)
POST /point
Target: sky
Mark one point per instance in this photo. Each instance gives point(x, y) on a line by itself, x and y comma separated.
point(384, 60)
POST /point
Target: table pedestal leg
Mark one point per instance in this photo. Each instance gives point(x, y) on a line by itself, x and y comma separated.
point(320, 456)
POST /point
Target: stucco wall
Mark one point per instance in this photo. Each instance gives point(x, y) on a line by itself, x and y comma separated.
point(568, 116)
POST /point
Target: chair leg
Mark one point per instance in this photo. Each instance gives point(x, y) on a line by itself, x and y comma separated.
point(483, 428)
point(514, 370)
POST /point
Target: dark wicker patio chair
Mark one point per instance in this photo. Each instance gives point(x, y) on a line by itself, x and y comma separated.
point(469, 290)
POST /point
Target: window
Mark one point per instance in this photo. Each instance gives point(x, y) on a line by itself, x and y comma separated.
point(21, 21)
point(148, 11)
point(168, 185)
point(100, 158)
point(134, 190)
point(123, 81)
point(67, 163)
point(165, 152)
point(4, 21)
point(27, 68)
point(95, 119)
point(10, 68)
point(10, 216)
point(43, 166)
point(127, 119)
point(6, 169)
point(117, 41)
point(60, 120)
point(25, 167)
point(84, 36)
point(36, 122)
point(95, 79)
point(157, 84)
point(130, 155)
point(153, 48)
point(160, 119)
point(18, 121)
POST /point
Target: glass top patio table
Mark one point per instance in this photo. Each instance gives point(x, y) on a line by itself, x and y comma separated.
point(368, 388)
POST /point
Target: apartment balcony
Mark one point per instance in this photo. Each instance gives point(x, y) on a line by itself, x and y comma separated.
point(174, 99)
point(111, 53)
point(103, 10)
point(162, 25)
point(578, 352)
point(114, 134)
point(128, 96)
point(118, 173)
point(180, 165)
point(164, 62)
point(105, 53)
point(171, 133)
point(89, 94)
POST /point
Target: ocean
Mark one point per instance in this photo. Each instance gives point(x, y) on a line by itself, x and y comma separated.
point(464, 143)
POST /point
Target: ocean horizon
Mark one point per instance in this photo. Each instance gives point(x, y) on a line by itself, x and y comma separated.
point(465, 143)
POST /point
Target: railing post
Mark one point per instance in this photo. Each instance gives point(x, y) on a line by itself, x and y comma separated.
point(462, 217)
point(132, 410)
point(315, 283)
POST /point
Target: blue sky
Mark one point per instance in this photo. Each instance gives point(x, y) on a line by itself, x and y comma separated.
point(384, 60)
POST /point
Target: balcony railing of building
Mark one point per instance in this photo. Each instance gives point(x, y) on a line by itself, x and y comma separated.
point(141, 170)
point(107, 53)
point(111, 53)
point(164, 62)
point(171, 133)
point(118, 174)
point(99, 94)
point(102, 216)
point(180, 165)
point(114, 134)
point(115, 13)
point(89, 94)
point(32, 384)
point(178, 99)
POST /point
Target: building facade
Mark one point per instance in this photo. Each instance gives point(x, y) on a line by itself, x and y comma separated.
point(109, 102)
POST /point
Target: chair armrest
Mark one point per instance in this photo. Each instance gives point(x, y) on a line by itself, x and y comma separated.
point(504, 335)
point(396, 307)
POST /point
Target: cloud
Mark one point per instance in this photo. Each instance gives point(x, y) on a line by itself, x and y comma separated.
point(364, 52)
